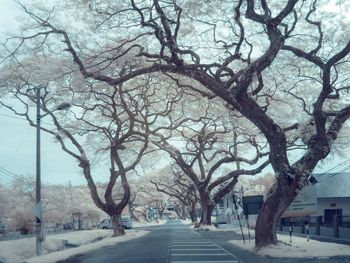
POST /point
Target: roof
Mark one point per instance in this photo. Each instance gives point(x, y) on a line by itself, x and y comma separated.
point(333, 185)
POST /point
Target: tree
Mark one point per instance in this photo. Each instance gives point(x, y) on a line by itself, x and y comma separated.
point(176, 184)
point(232, 48)
point(4, 204)
point(258, 185)
point(59, 201)
point(107, 124)
point(202, 154)
point(20, 201)
point(145, 198)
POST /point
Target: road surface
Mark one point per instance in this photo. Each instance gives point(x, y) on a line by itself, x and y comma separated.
point(174, 242)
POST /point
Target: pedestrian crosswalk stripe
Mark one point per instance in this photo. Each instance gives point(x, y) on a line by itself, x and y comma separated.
point(191, 249)
point(201, 254)
point(207, 261)
point(194, 245)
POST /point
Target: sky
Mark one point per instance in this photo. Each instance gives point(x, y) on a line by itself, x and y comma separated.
point(8, 13)
point(18, 140)
point(18, 153)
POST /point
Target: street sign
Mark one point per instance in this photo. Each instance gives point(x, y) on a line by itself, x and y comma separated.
point(252, 204)
point(38, 210)
point(305, 203)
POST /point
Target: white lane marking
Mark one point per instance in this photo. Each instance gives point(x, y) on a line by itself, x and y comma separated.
point(191, 249)
point(207, 261)
point(193, 254)
point(209, 245)
point(225, 251)
point(199, 243)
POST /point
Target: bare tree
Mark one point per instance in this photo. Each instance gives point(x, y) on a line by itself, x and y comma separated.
point(209, 163)
point(107, 124)
point(177, 185)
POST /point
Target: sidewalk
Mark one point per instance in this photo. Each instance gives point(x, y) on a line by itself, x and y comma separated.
point(298, 251)
point(55, 246)
point(319, 238)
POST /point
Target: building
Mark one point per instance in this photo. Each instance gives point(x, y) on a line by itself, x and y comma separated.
point(333, 195)
point(329, 196)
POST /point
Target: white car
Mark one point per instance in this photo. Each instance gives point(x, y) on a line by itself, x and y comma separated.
point(107, 223)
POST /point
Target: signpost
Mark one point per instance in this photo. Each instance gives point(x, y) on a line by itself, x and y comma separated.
point(239, 220)
point(252, 204)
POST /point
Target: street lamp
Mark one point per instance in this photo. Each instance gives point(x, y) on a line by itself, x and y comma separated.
point(38, 205)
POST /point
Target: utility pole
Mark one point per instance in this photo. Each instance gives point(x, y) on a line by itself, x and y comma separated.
point(38, 205)
point(38, 210)
point(71, 200)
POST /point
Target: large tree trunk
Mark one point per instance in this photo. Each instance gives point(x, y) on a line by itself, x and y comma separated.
point(279, 198)
point(193, 216)
point(207, 206)
point(131, 212)
point(183, 211)
point(207, 209)
point(118, 228)
point(192, 212)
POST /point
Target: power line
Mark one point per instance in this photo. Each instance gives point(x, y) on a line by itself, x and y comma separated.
point(13, 117)
point(13, 175)
point(14, 178)
point(334, 174)
point(340, 164)
point(22, 119)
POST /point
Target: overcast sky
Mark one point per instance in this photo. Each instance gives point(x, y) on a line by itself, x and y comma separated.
point(18, 138)
point(17, 151)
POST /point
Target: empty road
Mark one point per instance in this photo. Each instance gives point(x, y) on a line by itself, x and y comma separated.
point(174, 242)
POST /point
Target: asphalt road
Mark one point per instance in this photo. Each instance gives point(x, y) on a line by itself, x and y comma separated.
point(152, 248)
point(176, 243)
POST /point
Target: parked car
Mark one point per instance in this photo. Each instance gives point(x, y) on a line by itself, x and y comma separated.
point(24, 230)
point(68, 225)
point(3, 228)
point(25, 227)
point(107, 223)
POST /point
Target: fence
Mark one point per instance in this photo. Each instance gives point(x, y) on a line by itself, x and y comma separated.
point(338, 228)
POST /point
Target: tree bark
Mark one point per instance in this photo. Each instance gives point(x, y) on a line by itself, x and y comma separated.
point(207, 209)
point(118, 228)
point(279, 198)
point(183, 211)
point(206, 214)
point(193, 216)
point(192, 212)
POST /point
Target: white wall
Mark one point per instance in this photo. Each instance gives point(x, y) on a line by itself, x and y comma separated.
point(340, 202)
